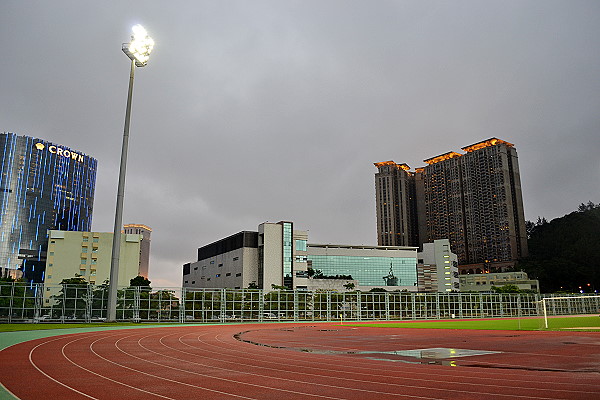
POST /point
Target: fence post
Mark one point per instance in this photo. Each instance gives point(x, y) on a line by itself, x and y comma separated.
point(223, 305)
point(38, 303)
point(88, 303)
point(328, 306)
point(387, 306)
point(182, 316)
point(11, 302)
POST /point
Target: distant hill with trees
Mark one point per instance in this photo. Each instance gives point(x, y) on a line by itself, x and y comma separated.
point(564, 254)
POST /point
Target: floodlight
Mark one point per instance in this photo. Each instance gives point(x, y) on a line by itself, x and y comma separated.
point(140, 47)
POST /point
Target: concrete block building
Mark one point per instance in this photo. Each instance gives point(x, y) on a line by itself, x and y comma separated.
point(89, 254)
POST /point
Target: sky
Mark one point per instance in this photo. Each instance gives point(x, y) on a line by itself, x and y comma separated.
point(254, 111)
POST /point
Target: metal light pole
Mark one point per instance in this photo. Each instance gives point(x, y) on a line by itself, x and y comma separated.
point(138, 50)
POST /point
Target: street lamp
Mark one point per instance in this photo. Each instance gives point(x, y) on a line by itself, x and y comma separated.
point(138, 50)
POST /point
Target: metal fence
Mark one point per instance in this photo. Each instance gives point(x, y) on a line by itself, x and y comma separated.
point(20, 302)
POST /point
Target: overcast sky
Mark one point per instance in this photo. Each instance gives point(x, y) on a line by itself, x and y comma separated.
point(253, 111)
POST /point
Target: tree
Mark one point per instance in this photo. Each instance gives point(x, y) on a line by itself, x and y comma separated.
point(16, 296)
point(506, 289)
point(349, 286)
point(139, 281)
point(72, 299)
point(563, 253)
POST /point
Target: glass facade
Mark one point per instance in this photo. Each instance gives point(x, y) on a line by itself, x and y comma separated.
point(300, 245)
point(43, 186)
point(369, 271)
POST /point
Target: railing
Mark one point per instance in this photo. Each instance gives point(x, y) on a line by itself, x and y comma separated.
point(20, 302)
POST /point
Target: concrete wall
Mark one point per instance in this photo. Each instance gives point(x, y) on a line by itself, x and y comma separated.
point(270, 238)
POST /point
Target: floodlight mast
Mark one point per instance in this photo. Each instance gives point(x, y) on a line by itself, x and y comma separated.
point(138, 50)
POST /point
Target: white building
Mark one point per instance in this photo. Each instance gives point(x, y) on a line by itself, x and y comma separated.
point(438, 267)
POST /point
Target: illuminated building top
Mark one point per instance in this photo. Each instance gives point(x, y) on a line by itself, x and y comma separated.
point(486, 143)
point(403, 166)
point(141, 226)
point(442, 157)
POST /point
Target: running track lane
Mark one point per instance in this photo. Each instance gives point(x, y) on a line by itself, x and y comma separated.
point(301, 361)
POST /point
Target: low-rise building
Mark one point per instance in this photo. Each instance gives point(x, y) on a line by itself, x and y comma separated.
point(277, 256)
point(485, 282)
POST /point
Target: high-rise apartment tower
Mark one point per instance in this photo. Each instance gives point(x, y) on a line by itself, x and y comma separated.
point(473, 199)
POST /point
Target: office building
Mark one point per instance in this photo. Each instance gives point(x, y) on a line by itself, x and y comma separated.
point(43, 186)
point(390, 267)
point(278, 256)
point(473, 199)
point(88, 254)
point(145, 231)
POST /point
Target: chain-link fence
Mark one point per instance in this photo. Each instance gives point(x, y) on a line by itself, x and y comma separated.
point(21, 302)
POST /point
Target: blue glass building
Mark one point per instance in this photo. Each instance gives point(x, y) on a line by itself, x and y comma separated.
point(43, 186)
point(377, 266)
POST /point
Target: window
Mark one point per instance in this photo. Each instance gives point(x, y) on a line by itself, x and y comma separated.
point(300, 245)
point(84, 249)
point(228, 274)
point(193, 282)
point(220, 265)
point(95, 240)
point(83, 261)
point(218, 275)
point(85, 239)
point(212, 262)
point(238, 274)
point(235, 258)
point(195, 268)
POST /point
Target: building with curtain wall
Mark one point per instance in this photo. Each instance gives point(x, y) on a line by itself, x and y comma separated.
point(279, 256)
point(43, 186)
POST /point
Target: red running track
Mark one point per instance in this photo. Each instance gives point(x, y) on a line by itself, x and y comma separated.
point(301, 361)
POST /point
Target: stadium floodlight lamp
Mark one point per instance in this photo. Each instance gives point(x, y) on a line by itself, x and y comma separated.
point(138, 50)
point(140, 47)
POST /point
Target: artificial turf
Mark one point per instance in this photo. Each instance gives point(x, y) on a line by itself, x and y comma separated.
point(528, 324)
point(46, 326)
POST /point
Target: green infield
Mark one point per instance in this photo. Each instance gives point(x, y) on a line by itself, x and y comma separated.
point(46, 326)
point(583, 323)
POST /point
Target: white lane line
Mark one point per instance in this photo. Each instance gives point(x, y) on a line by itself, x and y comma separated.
point(403, 375)
point(51, 378)
point(216, 377)
point(103, 376)
point(487, 376)
point(162, 378)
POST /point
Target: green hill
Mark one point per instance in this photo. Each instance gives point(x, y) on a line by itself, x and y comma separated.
point(564, 253)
